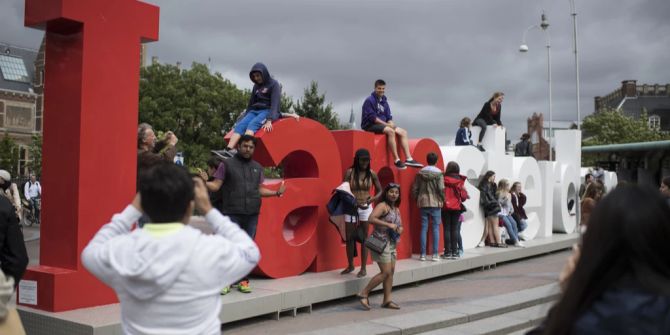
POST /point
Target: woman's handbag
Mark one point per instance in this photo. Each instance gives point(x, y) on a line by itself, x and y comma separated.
point(376, 243)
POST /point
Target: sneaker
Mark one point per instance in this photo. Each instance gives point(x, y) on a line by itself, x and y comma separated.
point(519, 244)
point(244, 287)
point(460, 253)
point(413, 163)
point(522, 237)
point(446, 256)
point(481, 244)
point(225, 153)
point(225, 290)
point(422, 258)
point(455, 256)
point(480, 147)
point(400, 165)
point(435, 258)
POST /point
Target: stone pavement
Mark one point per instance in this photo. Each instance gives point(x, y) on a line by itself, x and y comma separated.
point(426, 296)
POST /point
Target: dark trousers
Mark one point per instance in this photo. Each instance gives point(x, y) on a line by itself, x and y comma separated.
point(452, 232)
point(482, 124)
point(247, 222)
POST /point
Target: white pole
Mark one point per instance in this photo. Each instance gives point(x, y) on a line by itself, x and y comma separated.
point(574, 40)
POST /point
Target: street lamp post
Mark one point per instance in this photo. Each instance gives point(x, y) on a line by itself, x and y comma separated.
point(573, 11)
point(544, 24)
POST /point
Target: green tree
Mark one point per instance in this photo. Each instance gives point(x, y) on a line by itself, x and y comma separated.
point(313, 106)
point(194, 103)
point(35, 151)
point(9, 155)
point(612, 127)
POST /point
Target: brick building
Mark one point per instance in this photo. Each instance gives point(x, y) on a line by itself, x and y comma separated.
point(21, 100)
point(633, 100)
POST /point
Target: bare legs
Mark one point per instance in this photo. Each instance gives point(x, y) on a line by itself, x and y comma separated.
point(491, 230)
point(384, 277)
point(393, 146)
point(351, 232)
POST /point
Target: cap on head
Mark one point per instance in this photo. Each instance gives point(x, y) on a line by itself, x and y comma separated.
point(4, 175)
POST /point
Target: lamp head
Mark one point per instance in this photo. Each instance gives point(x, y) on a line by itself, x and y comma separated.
point(523, 48)
point(545, 23)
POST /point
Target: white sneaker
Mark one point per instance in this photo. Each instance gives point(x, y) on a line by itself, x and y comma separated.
point(522, 237)
point(519, 244)
point(481, 244)
point(422, 258)
point(436, 258)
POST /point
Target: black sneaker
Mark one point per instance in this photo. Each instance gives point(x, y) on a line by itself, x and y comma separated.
point(400, 165)
point(413, 163)
point(480, 147)
point(225, 153)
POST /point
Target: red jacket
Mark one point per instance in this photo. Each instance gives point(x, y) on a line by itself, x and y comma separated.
point(454, 192)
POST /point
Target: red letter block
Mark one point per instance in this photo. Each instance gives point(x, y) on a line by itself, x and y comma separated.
point(293, 227)
point(90, 125)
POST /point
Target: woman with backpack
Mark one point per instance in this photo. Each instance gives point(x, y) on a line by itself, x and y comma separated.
point(454, 194)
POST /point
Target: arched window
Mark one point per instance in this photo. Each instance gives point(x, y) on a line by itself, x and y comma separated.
point(655, 122)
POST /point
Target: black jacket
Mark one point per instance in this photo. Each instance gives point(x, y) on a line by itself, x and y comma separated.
point(488, 200)
point(486, 115)
point(13, 255)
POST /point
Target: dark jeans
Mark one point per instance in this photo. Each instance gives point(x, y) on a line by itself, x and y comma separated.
point(33, 203)
point(247, 222)
point(452, 232)
point(482, 124)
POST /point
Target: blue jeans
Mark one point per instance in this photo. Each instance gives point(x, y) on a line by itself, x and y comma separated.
point(248, 223)
point(510, 225)
point(426, 214)
point(252, 121)
point(522, 225)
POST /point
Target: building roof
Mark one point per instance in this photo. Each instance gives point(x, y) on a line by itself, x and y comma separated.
point(13, 62)
point(654, 105)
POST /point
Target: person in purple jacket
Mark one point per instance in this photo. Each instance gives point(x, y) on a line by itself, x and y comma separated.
point(377, 119)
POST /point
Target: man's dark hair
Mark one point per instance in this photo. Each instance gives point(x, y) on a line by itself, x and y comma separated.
point(431, 158)
point(380, 82)
point(587, 176)
point(213, 162)
point(166, 190)
point(246, 138)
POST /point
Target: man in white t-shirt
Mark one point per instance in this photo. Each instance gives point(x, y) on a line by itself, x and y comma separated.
point(32, 191)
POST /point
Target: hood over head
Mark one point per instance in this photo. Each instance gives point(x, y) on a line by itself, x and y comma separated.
point(260, 67)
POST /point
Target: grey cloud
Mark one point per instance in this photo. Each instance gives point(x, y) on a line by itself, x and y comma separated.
point(442, 59)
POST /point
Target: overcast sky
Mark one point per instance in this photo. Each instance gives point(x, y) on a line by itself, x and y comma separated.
point(441, 59)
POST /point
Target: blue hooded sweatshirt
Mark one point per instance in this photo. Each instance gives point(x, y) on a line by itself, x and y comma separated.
point(375, 108)
point(266, 95)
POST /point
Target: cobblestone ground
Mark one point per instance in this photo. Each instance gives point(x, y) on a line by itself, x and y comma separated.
point(429, 294)
point(509, 277)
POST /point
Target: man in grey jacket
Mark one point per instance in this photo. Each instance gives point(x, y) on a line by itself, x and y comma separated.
point(428, 190)
point(168, 275)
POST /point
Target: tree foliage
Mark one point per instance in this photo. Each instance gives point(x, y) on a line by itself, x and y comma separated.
point(35, 151)
point(9, 155)
point(313, 106)
point(194, 103)
point(612, 127)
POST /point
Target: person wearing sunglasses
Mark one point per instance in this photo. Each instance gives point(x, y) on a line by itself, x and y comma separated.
point(388, 226)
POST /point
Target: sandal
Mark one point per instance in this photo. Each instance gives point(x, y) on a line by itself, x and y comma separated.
point(347, 270)
point(390, 305)
point(501, 245)
point(362, 274)
point(365, 302)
